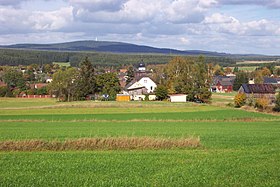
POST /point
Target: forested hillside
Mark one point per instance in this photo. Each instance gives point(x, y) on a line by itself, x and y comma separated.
point(25, 57)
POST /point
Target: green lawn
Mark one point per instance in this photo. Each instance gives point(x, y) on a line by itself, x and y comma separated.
point(25, 103)
point(238, 148)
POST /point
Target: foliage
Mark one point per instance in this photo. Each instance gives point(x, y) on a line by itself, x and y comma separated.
point(161, 92)
point(130, 74)
point(189, 76)
point(262, 103)
point(42, 91)
point(108, 83)
point(239, 100)
point(85, 82)
point(235, 70)
point(241, 78)
point(3, 91)
point(63, 84)
point(26, 57)
point(251, 100)
point(14, 79)
point(277, 103)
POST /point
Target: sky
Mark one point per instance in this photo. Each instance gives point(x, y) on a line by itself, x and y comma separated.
point(230, 26)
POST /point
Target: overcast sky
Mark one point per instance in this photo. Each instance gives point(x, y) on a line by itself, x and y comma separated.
point(232, 26)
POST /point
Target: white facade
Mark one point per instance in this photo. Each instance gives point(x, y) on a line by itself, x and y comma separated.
point(148, 83)
point(178, 98)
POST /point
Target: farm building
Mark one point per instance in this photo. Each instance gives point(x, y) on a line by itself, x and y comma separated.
point(222, 84)
point(176, 98)
point(259, 91)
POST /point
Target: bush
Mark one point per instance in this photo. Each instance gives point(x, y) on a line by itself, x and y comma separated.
point(31, 92)
point(239, 100)
point(16, 92)
point(161, 92)
point(251, 100)
point(277, 103)
point(3, 91)
point(146, 97)
point(262, 103)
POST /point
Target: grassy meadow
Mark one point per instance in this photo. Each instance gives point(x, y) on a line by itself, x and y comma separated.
point(237, 148)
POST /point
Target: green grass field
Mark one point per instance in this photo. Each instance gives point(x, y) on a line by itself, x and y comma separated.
point(238, 148)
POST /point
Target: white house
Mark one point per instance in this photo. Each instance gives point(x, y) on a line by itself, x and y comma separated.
point(176, 98)
point(148, 83)
point(139, 89)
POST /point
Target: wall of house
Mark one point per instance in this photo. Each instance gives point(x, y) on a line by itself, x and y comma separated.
point(148, 83)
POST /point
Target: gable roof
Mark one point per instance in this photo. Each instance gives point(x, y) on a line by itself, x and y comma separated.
point(259, 88)
point(136, 85)
point(270, 80)
point(223, 80)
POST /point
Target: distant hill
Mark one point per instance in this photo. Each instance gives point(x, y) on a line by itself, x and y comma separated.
point(113, 47)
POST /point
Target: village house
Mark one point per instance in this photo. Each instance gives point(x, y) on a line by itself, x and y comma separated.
point(138, 89)
point(222, 84)
point(256, 91)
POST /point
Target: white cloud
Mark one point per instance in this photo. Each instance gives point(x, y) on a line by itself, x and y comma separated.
point(229, 25)
point(181, 24)
point(53, 20)
point(137, 11)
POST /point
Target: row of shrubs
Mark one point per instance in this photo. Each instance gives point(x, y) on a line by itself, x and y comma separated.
point(6, 92)
point(260, 103)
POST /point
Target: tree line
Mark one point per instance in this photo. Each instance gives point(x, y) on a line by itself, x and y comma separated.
point(15, 57)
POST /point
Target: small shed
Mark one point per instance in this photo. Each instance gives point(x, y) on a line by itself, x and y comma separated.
point(123, 97)
point(176, 98)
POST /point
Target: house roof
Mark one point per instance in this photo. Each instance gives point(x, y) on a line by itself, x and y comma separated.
point(271, 80)
point(259, 88)
point(223, 80)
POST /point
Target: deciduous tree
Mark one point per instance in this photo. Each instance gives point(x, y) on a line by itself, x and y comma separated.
point(108, 83)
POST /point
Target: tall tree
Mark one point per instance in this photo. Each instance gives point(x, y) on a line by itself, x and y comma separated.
point(63, 84)
point(130, 74)
point(161, 92)
point(108, 83)
point(241, 78)
point(86, 80)
point(14, 79)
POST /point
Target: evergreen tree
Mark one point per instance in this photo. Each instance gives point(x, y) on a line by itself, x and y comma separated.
point(241, 78)
point(277, 103)
point(86, 80)
point(130, 74)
